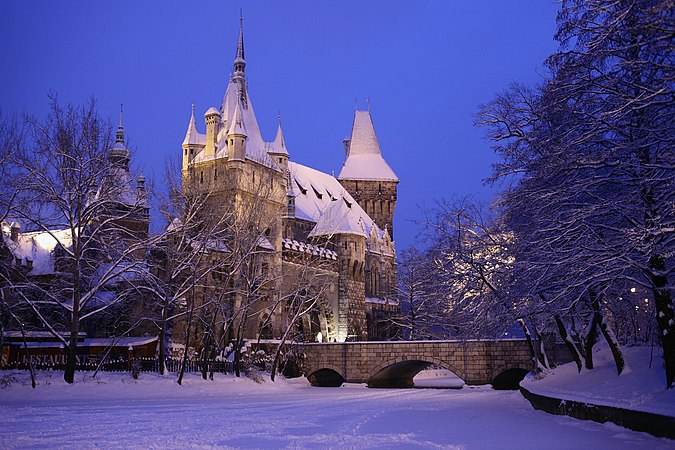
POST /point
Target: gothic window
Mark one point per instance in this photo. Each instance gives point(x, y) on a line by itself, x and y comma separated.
point(201, 176)
point(186, 152)
point(215, 173)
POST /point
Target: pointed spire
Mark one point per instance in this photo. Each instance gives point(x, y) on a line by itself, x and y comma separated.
point(119, 154)
point(240, 59)
point(119, 134)
point(192, 136)
point(237, 125)
point(278, 146)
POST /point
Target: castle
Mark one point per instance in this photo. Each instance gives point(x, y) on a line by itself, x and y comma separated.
point(344, 224)
point(320, 260)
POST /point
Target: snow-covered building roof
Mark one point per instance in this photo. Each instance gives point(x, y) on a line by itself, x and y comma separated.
point(192, 136)
point(278, 146)
point(364, 159)
point(36, 248)
point(320, 198)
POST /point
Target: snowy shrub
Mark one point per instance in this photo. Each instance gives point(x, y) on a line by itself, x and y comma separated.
point(7, 380)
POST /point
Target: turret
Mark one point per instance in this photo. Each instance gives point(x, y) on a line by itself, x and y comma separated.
point(193, 142)
point(367, 176)
point(119, 154)
point(341, 225)
point(277, 150)
point(212, 119)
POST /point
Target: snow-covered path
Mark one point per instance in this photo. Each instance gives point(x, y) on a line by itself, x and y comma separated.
point(288, 414)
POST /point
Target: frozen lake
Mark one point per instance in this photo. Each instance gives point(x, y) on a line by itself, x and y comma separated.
point(237, 413)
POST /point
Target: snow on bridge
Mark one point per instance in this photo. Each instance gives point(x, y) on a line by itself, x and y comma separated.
point(395, 363)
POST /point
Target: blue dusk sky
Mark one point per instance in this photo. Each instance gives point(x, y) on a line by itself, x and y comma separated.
point(426, 66)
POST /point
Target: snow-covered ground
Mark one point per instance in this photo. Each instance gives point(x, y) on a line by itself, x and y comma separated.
point(438, 378)
point(640, 387)
point(155, 412)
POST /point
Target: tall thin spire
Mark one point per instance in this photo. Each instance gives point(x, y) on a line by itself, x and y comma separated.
point(119, 135)
point(240, 59)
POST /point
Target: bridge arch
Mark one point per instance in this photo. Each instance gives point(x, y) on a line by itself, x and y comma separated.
point(326, 375)
point(399, 372)
point(508, 376)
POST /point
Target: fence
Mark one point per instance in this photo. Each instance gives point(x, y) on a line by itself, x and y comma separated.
point(125, 365)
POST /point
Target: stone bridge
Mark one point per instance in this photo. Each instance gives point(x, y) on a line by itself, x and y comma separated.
point(395, 363)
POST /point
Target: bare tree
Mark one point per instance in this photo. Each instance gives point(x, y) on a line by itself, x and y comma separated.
point(424, 311)
point(76, 200)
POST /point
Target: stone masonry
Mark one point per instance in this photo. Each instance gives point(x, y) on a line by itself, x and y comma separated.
point(396, 363)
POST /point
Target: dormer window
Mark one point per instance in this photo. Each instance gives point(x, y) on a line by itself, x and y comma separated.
point(302, 189)
point(317, 193)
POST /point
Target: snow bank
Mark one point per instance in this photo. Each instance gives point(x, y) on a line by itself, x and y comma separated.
point(638, 388)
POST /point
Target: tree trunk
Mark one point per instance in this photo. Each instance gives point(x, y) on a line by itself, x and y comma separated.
point(187, 339)
point(162, 336)
point(28, 358)
point(590, 339)
point(543, 358)
point(569, 342)
point(665, 317)
point(71, 358)
point(528, 337)
point(613, 344)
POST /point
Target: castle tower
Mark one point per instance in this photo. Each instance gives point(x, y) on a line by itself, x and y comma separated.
point(119, 154)
point(277, 150)
point(340, 225)
point(193, 142)
point(367, 176)
point(212, 119)
point(129, 195)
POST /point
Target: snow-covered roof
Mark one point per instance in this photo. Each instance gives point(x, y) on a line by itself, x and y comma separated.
point(364, 159)
point(278, 146)
point(232, 105)
point(315, 192)
point(211, 111)
point(311, 249)
point(264, 243)
point(37, 246)
point(124, 189)
point(192, 136)
point(338, 218)
point(237, 125)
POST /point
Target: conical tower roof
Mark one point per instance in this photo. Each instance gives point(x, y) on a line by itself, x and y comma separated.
point(278, 146)
point(364, 158)
point(192, 136)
